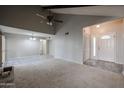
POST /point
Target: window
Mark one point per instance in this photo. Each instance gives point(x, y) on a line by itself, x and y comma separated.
point(106, 37)
point(94, 46)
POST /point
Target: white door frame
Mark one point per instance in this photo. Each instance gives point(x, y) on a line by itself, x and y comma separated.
point(84, 49)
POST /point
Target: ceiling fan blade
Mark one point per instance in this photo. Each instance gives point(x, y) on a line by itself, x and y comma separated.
point(41, 16)
point(59, 21)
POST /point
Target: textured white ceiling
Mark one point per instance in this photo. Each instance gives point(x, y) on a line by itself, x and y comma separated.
point(93, 10)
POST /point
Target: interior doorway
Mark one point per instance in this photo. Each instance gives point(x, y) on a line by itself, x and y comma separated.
point(99, 45)
point(43, 47)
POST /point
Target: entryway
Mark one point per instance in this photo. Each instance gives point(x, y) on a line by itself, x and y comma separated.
point(104, 47)
point(101, 45)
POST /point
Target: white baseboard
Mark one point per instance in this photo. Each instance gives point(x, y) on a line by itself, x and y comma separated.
point(69, 60)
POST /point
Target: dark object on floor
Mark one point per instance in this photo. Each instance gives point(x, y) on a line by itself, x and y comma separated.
point(7, 69)
point(6, 76)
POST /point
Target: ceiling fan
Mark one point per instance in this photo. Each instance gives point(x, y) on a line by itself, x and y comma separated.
point(50, 18)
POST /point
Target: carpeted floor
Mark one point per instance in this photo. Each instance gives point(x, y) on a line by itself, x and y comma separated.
point(55, 73)
point(35, 59)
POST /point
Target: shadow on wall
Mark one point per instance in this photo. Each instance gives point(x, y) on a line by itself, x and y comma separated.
point(24, 17)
